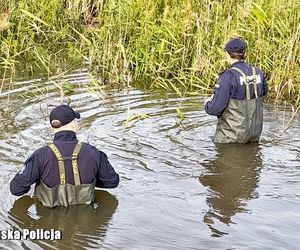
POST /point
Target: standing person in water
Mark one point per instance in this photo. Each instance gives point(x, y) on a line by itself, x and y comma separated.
point(66, 171)
point(237, 100)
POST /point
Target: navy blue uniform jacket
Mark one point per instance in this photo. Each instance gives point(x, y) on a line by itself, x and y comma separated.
point(229, 86)
point(42, 165)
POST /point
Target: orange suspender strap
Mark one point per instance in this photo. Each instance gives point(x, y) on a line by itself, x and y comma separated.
point(61, 164)
point(254, 82)
point(246, 81)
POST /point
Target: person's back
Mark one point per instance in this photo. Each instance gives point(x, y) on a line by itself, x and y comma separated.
point(65, 171)
point(237, 101)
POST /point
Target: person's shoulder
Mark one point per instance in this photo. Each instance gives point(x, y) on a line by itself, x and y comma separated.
point(224, 71)
point(226, 76)
point(258, 70)
point(40, 151)
point(37, 154)
point(93, 149)
point(88, 146)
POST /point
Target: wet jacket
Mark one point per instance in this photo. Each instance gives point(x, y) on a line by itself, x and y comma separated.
point(239, 114)
point(42, 168)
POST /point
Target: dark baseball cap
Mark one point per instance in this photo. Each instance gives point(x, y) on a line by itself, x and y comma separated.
point(236, 45)
point(62, 115)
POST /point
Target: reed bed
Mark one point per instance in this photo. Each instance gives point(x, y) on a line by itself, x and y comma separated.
point(174, 45)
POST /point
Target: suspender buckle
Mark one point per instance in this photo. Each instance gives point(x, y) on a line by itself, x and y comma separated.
point(74, 157)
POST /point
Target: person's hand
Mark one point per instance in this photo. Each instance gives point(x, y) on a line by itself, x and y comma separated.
point(209, 99)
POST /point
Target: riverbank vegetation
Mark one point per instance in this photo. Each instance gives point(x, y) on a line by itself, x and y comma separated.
point(175, 45)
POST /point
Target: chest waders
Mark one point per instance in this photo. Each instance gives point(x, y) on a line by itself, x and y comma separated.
point(65, 194)
point(241, 120)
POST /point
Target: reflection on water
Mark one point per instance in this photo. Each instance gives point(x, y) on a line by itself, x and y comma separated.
point(81, 226)
point(231, 180)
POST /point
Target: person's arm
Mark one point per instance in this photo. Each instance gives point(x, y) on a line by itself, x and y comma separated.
point(106, 177)
point(28, 175)
point(221, 95)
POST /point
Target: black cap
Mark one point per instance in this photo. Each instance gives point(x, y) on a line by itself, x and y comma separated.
point(62, 115)
point(236, 45)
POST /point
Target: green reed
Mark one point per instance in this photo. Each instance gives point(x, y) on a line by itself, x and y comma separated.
point(174, 45)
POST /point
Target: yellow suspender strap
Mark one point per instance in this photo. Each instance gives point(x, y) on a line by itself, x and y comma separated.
point(254, 82)
point(246, 81)
point(74, 163)
point(61, 164)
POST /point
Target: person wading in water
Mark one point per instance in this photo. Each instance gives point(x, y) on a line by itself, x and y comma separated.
point(237, 100)
point(66, 171)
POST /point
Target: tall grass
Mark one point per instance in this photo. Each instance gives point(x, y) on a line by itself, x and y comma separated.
point(175, 45)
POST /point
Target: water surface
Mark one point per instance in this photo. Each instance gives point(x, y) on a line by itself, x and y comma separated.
point(178, 190)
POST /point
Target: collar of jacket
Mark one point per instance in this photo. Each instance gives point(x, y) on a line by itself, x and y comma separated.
point(237, 63)
point(65, 135)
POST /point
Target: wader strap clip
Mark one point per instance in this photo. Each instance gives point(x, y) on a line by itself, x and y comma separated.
point(254, 82)
point(61, 164)
point(246, 81)
point(74, 163)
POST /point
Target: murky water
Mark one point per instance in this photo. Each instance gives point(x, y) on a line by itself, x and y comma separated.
point(178, 190)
